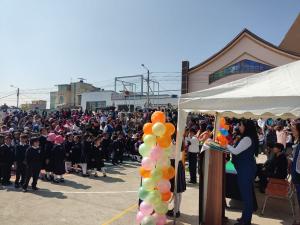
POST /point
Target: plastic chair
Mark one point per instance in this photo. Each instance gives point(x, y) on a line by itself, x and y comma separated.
point(282, 189)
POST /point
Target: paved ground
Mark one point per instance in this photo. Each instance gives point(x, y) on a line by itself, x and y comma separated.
point(106, 201)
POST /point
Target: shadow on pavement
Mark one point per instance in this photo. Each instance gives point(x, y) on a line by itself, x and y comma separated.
point(43, 192)
point(73, 184)
point(107, 179)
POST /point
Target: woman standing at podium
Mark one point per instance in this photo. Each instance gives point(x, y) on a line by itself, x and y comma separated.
point(244, 162)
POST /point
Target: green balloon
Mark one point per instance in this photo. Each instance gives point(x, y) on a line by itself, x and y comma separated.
point(143, 193)
point(154, 197)
point(167, 152)
point(148, 184)
point(161, 208)
point(144, 150)
point(148, 220)
point(156, 174)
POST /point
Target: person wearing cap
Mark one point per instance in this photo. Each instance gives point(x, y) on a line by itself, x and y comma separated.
point(58, 159)
point(6, 160)
point(67, 145)
point(20, 151)
point(33, 160)
point(48, 156)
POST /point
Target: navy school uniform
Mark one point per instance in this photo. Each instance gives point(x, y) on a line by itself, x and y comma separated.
point(6, 161)
point(68, 150)
point(20, 152)
point(43, 141)
point(105, 144)
point(48, 156)
point(76, 153)
point(118, 150)
point(58, 159)
point(94, 158)
point(86, 148)
point(33, 159)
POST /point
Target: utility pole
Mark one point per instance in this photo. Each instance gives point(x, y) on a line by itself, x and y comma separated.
point(148, 86)
point(18, 97)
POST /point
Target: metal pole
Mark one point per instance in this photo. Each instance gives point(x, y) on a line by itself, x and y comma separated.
point(18, 96)
point(148, 88)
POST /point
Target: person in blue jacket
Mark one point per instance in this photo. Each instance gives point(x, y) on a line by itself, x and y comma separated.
point(244, 162)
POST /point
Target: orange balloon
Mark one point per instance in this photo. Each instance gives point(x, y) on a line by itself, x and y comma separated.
point(158, 116)
point(148, 128)
point(222, 122)
point(145, 173)
point(165, 173)
point(171, 171)
point(166, 196)
point(170, 129)
point(164, 141)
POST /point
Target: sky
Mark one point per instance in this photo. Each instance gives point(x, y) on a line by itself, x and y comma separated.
point(49, 42)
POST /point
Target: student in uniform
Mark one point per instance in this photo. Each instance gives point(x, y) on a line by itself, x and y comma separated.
point(193, 150)
point(20, 151)
point(244, 162)
point(76, 152)
point(43, 141)
point(95, 158)
point(7, 159)
point(67, 145)
point(48, 156)
point(58, 159)
point(33, 160)
point(85, 149)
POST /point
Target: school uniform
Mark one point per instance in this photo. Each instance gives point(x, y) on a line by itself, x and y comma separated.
point(76, 153)
point(43, 141)
point(85, 149)
point(48, 156)
point(33, 160)
point(67, 145)
point(193, 151)
point(20, 152)
point(58, 160)
point(93, 157)
point(118, 151)
point(106, 142)
point(6, 161)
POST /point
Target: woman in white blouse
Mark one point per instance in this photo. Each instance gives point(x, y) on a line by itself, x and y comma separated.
point(244, 162)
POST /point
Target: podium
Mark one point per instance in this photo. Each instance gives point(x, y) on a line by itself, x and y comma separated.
point(212, 188)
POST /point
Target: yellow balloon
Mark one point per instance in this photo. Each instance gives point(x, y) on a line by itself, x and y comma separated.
point(159, 129)
point(149, 140)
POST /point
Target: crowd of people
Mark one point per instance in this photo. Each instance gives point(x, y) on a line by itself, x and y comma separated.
point(72, 141)
point(67, 141)
point(277, 139)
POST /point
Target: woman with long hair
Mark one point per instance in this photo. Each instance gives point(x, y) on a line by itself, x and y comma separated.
point(296, 162)
point(244, 162)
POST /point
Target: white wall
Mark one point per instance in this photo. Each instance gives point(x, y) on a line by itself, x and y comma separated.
point(96, 96)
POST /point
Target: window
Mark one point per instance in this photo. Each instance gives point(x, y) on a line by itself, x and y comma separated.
point(244, 66)
point(61, 99)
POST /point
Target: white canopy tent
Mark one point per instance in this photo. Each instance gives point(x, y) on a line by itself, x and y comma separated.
point(273, 93)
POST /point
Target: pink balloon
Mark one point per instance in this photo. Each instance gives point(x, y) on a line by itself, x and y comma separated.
point(146, 208)
point(147, 163)
point(160, 219)
point(164, 186)
point(139, 217)
point(156, 153)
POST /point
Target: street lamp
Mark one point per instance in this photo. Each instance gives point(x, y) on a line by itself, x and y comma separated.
point(148, 85)
point(18, 94)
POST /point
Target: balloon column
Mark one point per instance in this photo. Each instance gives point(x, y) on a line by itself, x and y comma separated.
point(156, 171)
point(222, 133)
